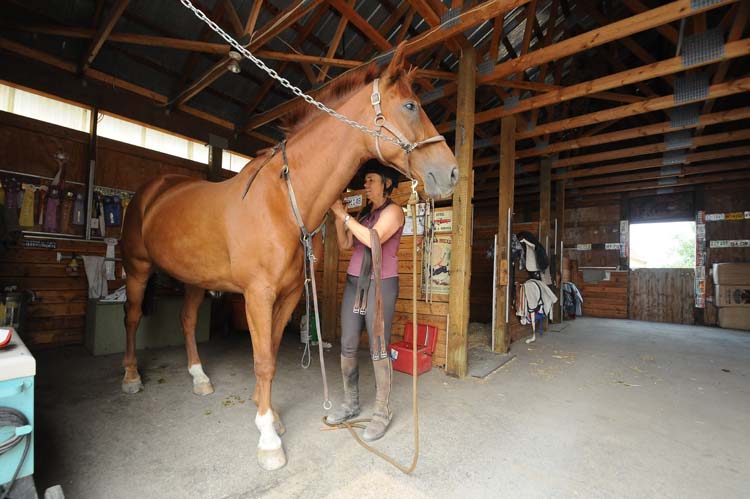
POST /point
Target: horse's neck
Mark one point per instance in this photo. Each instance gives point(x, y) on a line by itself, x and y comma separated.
point(322, 162)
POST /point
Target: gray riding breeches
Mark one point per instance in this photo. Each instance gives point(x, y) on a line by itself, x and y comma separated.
point(352, 324)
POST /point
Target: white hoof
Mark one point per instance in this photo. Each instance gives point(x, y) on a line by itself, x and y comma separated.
point(133, 386)
point(203, 389)
point(271, 459)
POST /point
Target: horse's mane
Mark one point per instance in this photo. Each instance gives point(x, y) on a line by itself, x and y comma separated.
point(332, 95)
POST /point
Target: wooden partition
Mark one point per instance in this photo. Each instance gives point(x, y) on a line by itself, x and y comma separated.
point(57, 317)
point(608, 297)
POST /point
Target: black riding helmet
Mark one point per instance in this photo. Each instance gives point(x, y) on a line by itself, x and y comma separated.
point(384, 172)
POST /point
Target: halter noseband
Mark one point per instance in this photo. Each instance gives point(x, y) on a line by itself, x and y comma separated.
point(401, 140)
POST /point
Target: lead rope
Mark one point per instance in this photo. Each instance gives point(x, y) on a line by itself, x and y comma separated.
point(357, 423)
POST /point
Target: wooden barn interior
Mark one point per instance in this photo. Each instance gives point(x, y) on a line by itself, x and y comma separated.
point(576, 122)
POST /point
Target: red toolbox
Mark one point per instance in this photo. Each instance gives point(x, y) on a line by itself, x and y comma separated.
point(403, 354)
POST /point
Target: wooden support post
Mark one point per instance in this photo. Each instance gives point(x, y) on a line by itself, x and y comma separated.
point(460, 274)
point(330, 310)
point(214, 163)
point(545, 201)
point(625, 215)
point(560, 217)
point(505, 201)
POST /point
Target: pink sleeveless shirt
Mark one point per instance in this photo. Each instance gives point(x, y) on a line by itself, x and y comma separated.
point(389, 247)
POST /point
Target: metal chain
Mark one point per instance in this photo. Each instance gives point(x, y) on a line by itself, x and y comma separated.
point(295, 90)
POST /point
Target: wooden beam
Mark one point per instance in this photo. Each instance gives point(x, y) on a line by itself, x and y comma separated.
point(505, 197)
point(347, 12)
point(634, 133)
point(105, 28)
point(649, 105)
point(252, 18)
point(234, 19)
point(430, 38)
point(211, 75)
point(653, 18)
point(36, 55)
point(630, 152)
point(735, 33)
point(252, 105)
point(560, 232)
point(667, 30)
point(725, 178)
point(669, 66)
point(283, 20)
point(732, 152)
point(460, 282)
point(657, 174)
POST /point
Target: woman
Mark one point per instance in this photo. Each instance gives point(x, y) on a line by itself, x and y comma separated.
point(387, 219)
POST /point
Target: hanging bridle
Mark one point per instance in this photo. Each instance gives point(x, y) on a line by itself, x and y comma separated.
point(401, 140)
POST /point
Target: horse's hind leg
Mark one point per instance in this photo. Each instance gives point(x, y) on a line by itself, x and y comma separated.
point(135, 286)
point(193, 299)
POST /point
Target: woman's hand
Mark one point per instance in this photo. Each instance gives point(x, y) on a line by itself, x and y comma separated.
point(338, 209)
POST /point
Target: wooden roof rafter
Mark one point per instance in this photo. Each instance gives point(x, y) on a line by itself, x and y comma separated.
point(102, 32)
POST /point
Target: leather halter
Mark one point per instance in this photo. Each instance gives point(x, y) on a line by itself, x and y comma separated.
point(403, 142)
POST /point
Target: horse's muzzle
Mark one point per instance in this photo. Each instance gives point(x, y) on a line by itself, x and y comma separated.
point(440, 181)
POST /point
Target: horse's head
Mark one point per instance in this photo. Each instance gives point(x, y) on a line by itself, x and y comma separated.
point(422, 152)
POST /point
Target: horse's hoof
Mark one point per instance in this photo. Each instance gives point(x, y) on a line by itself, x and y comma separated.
point(133, 386)
point(203, 388)
point(271, 460)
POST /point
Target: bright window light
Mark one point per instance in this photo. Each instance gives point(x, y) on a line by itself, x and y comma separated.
point(669, 245)
point(233, 161)
point(32, 105)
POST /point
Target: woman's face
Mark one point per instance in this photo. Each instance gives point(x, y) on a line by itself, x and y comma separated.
point(374, 186)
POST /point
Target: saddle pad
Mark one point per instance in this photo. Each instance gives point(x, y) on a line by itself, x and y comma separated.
point(731, 273)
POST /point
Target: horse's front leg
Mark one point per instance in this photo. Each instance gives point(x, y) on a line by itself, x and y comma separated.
point(193, 299)
point(282, 311)
point(259, 303)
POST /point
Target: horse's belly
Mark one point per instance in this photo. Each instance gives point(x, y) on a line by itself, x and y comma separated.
point(189, 250)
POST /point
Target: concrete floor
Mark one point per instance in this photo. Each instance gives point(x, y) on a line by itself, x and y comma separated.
point(603, 408)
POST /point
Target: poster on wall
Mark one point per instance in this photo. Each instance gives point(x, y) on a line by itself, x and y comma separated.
point(440, 265)
point(443, 219)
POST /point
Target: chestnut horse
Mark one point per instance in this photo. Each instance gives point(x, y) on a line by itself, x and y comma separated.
point(212, 236)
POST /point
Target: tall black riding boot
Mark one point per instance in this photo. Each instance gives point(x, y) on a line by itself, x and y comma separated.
point(381, 416)
point(350, 407)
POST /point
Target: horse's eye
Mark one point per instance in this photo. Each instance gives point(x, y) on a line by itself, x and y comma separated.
point(410, 106)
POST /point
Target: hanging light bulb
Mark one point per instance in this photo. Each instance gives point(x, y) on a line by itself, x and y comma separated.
point(234, 64)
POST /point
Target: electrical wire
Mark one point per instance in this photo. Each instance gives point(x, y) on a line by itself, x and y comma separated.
point(10, 417)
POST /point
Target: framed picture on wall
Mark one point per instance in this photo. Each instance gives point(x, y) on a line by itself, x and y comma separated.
point(439, 279)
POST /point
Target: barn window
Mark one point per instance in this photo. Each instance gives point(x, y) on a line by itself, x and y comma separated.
point(40, 107)
point(669, 245)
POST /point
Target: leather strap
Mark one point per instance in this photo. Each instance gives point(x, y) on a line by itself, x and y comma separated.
point(380, 349)
point(382, 123)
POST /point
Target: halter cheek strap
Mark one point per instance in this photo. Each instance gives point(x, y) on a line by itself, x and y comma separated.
point(382, 123)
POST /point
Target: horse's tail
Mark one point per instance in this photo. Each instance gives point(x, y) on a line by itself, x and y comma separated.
point(149, 296)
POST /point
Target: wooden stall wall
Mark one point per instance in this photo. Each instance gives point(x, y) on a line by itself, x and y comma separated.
point(724, 200)
point(596, 225)
point(57, 316)
point(592, 225)
point(662, 295)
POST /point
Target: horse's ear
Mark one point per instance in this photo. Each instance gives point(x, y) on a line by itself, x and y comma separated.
point(395, 68)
